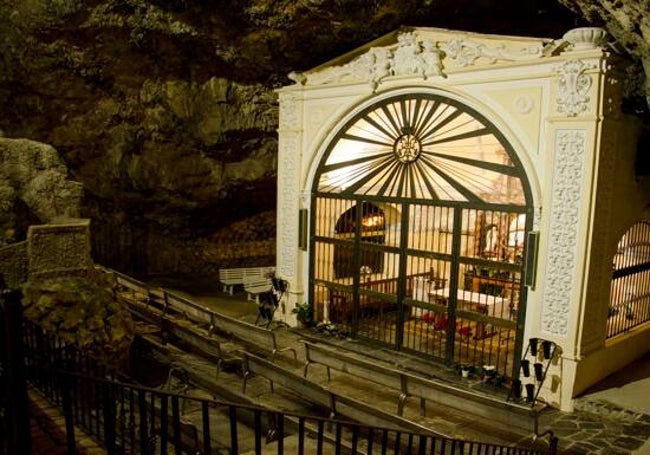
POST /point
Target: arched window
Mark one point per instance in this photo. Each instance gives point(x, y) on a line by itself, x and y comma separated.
point(630, 294)
point(371, 229)
point(420, 210)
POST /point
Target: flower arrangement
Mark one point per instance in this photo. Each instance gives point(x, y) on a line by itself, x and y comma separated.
point(304, 313)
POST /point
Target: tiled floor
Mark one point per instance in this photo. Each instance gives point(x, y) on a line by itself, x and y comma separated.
point(47, 429)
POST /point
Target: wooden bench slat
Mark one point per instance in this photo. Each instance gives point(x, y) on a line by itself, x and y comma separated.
point(340, 361)
point(410, 384)
point(246, 332)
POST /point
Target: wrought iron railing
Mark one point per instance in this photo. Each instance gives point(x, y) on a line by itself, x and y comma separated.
point(132, 419)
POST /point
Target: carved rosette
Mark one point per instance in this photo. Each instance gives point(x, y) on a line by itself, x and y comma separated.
point(573, 87)
point(563, 235)
point(524, 104)
point(287, 205)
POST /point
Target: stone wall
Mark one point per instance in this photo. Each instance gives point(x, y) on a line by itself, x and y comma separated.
point(59, 249)
point(13, 264)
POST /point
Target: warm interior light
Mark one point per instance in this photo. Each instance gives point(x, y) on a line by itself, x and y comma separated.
point(372, 221)
point(517, 231)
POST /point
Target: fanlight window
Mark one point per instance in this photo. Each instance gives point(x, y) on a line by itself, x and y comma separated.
point(421, 210)
point(630, 296)
point(421, 147)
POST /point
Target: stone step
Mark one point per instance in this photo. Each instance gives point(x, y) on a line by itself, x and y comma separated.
point(290, 445)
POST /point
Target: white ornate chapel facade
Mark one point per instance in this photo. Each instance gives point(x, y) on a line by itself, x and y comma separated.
point(454, 195)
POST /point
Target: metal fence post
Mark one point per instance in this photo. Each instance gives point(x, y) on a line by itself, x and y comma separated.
point(66, 383)
point(110, 415)
point(19, 437)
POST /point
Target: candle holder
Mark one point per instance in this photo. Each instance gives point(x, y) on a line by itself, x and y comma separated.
point(546, 348)
point(530, 393)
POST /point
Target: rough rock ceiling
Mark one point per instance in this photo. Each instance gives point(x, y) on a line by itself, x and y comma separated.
point(628, 22)
point(165, 111)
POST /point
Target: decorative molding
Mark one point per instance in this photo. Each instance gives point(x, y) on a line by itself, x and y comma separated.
point(410, 57)
point(563, 230)
point(289, 112)
point(537, 218)
point(287, 205)
point(467, 52)
point(573, 87)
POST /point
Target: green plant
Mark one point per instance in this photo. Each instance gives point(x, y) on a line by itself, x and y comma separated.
point(304, 313)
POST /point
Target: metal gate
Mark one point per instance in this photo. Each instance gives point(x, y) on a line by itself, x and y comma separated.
point(419, 214)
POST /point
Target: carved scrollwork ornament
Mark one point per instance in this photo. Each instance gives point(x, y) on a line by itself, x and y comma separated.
point(573, 87)
point(410, 57)
point(466, 52)
point(563, 230)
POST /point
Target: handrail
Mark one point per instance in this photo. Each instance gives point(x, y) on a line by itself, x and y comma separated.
point(168, 300)
point(137, 417)
point(211, 317)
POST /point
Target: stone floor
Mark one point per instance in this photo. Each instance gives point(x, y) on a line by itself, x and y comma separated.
point(47, 428)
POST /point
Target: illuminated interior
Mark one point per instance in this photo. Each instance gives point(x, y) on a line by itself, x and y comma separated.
point(420, 218)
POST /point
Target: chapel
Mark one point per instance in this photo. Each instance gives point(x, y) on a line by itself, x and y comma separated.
point(465, 197)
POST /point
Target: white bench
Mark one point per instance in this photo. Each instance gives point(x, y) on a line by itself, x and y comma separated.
point(231, 277)
point(256, 286)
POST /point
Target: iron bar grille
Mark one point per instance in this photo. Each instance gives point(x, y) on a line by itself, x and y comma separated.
point(630, 293)
point(419, 221)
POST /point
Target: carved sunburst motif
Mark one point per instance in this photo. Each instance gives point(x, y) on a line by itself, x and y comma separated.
point(423, 147)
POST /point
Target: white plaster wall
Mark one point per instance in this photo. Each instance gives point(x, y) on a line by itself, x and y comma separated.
point(552, 122)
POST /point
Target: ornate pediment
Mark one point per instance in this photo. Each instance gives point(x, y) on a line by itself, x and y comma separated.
point(410, 57)
point(467, 52)
point(417, 56)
